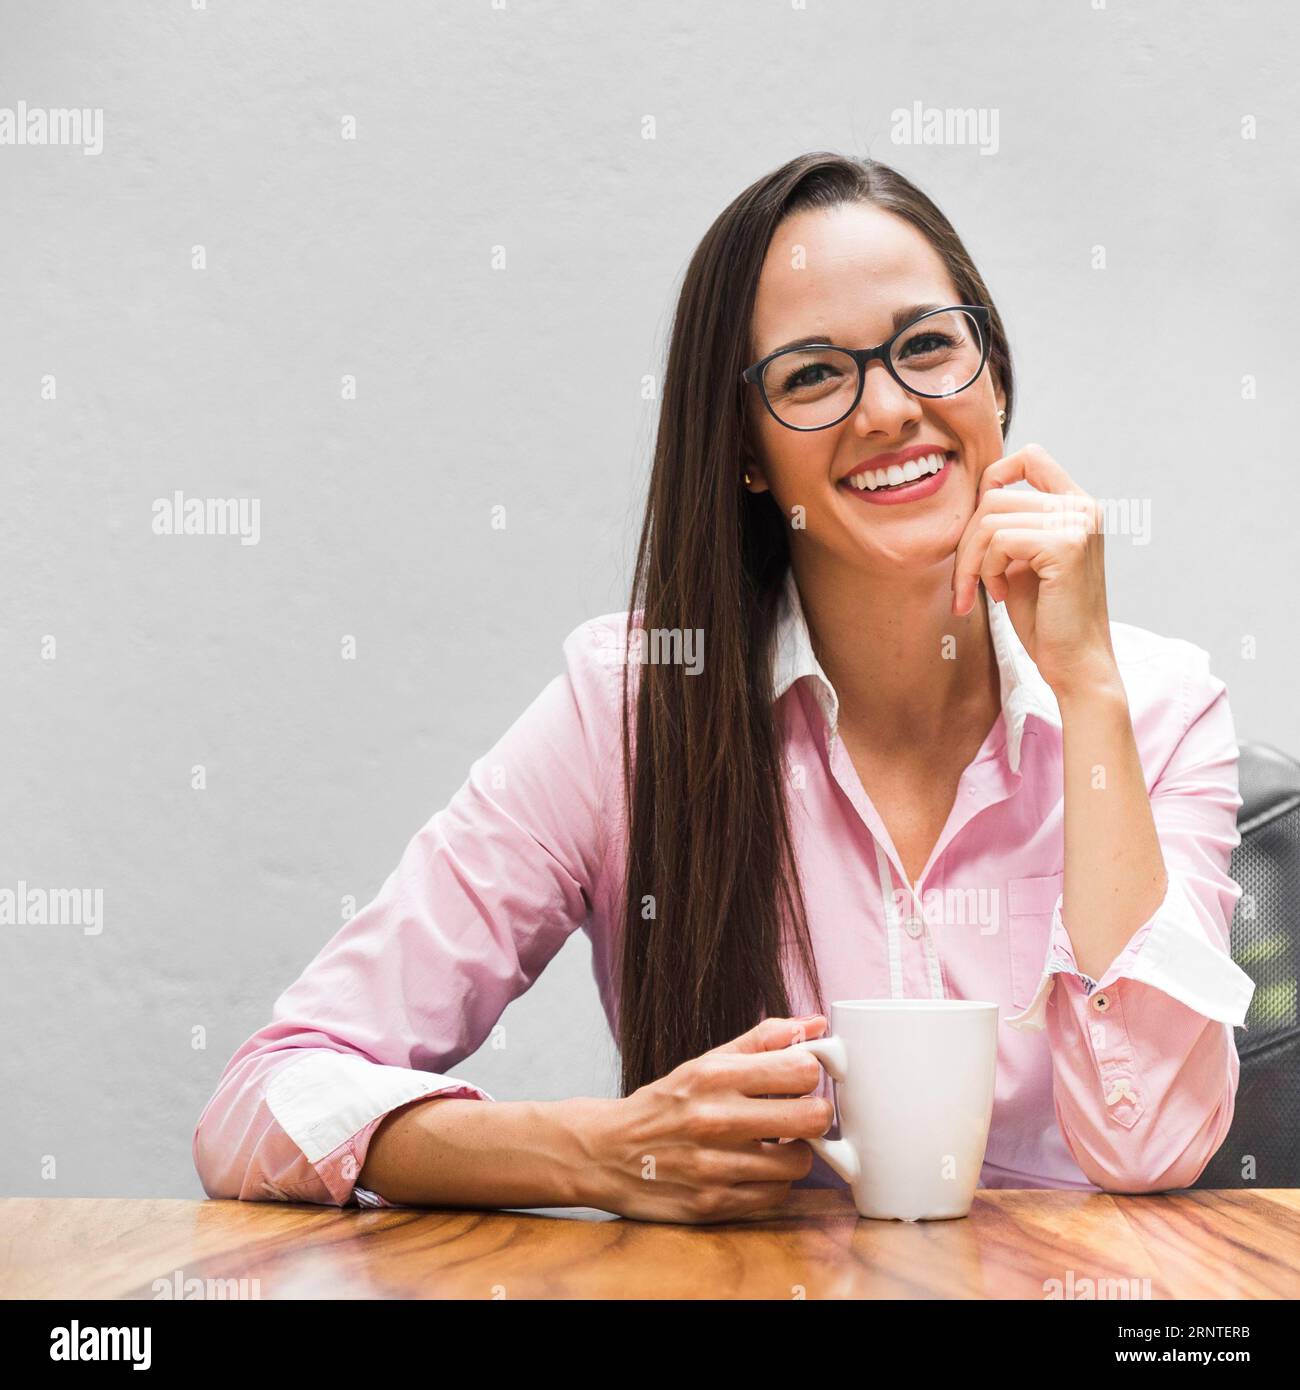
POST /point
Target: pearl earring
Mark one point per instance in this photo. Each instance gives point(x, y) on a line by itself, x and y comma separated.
point(748, 480)
point(1002, 417)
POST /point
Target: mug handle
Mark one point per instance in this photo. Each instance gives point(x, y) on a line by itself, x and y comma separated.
point(839, 1154)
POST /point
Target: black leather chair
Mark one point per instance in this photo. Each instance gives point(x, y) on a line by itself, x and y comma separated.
point(1266, 944)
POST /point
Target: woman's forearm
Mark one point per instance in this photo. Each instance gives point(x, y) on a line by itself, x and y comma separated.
point(1114, 867)
point(446, 1151)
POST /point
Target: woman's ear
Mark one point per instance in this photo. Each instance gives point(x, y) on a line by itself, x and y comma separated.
point(751, 471)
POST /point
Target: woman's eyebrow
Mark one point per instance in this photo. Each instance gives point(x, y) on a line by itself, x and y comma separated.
point(901, 317)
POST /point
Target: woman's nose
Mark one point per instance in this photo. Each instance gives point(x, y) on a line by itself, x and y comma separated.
point(884, 404)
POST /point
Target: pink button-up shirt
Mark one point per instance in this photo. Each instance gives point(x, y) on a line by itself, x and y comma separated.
point(1126, 1083)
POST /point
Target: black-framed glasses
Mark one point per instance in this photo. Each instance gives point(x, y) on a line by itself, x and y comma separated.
point(814, 387)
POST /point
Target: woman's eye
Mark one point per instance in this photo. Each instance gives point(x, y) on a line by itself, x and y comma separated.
point(809, 376)
point(926, 342)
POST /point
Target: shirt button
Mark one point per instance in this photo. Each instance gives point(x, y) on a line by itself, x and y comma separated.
point(1101, 1003)
point(913, 925)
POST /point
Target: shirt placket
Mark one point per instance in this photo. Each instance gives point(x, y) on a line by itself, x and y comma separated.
point(909, 923)
point(984, 783)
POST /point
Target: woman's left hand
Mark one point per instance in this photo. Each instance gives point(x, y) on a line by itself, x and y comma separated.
point(1041, 554)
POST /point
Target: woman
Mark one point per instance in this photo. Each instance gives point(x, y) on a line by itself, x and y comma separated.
point(869, 733)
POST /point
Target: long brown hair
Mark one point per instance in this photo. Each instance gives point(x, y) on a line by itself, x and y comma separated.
point(712, 895)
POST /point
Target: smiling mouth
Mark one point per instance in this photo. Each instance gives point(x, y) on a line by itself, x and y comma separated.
point(885, 479)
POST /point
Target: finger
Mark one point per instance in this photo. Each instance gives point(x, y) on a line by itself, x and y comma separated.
point(1001, 585)
point(1017, 544)
point(748, 1160)
point(773, 1033)
point(1053, 489)
point(1032, 464)
point(1038, 511)
point(789, 1071)
point(758, 1201)
point(806, 1117)
point(767, 1161)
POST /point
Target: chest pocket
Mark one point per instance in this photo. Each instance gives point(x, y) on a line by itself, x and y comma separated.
point(1030, 902)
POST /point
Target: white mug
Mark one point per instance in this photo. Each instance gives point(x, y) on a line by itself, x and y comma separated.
point(914, 1089)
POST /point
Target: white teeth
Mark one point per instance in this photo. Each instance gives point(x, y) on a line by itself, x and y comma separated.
point(891, 476)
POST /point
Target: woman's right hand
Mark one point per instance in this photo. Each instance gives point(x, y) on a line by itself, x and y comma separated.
point(693, 1146)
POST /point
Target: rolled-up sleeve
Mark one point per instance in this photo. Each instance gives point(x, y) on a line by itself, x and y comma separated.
point(1144, 1059)
point(483, 897)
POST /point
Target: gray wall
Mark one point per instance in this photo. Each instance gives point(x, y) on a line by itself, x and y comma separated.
point(519, 126)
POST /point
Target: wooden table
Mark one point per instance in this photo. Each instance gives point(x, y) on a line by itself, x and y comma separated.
point(1196, 1244)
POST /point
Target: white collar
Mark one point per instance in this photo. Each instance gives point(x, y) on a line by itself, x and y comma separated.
point(1024, 691)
